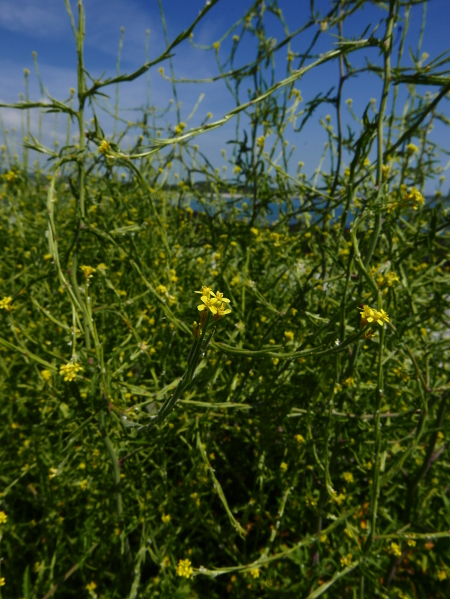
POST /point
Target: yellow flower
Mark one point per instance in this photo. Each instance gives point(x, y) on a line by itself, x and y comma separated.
point(91, 586)
point(165, 518)
point(338, 498)
point(371, 315)
point(289, 335)
point(219, 297)
point(3, 518)
point(205, 291)
point(5, 303)
point(411, 543)
point(254, 572)
point(161, 289)
point(410, 149)
point(70, 370)
point(300, 439)
point(216, 45)
point(46, 374)
point(178, 130)
point(10, 176)
point(102, 268)
point(104, 147)
point(2, 581)
point(391, 278)
point(53, 472)
point(346, 560)
point(47, 257)
point(414, 197)
point(283, 466)
point(87, 271)
point(442, 574)
point(395, 549)
point(222, 309)
point(208, 304)
point(348, 477)
point(254, 230)
point(349, 382)
point(184, 568)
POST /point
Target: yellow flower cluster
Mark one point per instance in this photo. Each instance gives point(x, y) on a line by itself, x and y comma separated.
point(414, 198)
point(217, 304)
point(388, 280)
point(88, 271)
point(184, 568)
point(5, 303)
point(69, 371)
point(104, 147)
point(395, 549)
point(46, 374)
point(3, 518)
point(346, 560)
point(10, 176)
point(371, 315)
point(180, 128)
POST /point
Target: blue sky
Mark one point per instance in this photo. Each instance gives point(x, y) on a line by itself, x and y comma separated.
point(43, 26)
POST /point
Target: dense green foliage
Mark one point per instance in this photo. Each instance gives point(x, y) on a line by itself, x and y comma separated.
point(309, 451)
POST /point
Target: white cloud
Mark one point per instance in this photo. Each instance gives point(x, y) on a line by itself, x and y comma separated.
point(36, 18)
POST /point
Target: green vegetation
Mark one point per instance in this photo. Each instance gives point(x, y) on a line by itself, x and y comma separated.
point(295, 447)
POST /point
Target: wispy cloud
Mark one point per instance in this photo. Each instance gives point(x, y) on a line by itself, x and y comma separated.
point(39, 19)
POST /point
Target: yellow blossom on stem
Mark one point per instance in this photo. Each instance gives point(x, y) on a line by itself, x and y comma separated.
point(208, 304)
point(161, 289)
point(346, 560)
point(219, 297)
point(414, 198)
point(91, 586)
point(254, 572)
point(69, 371)
point(184, 568)
point(391, 278)
point(2, 581)
point(87, 271)
point(300, 439)
point(46, 374)
point(411, 149)
point(180, 128)
point(222, 309)
point(348, 477)
point(289, 335)
point(104, 147)
point(205, 291)
point(395, 549)
point(10, 176)
point(369, 315)
point(3, 518)
point(5, 303)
